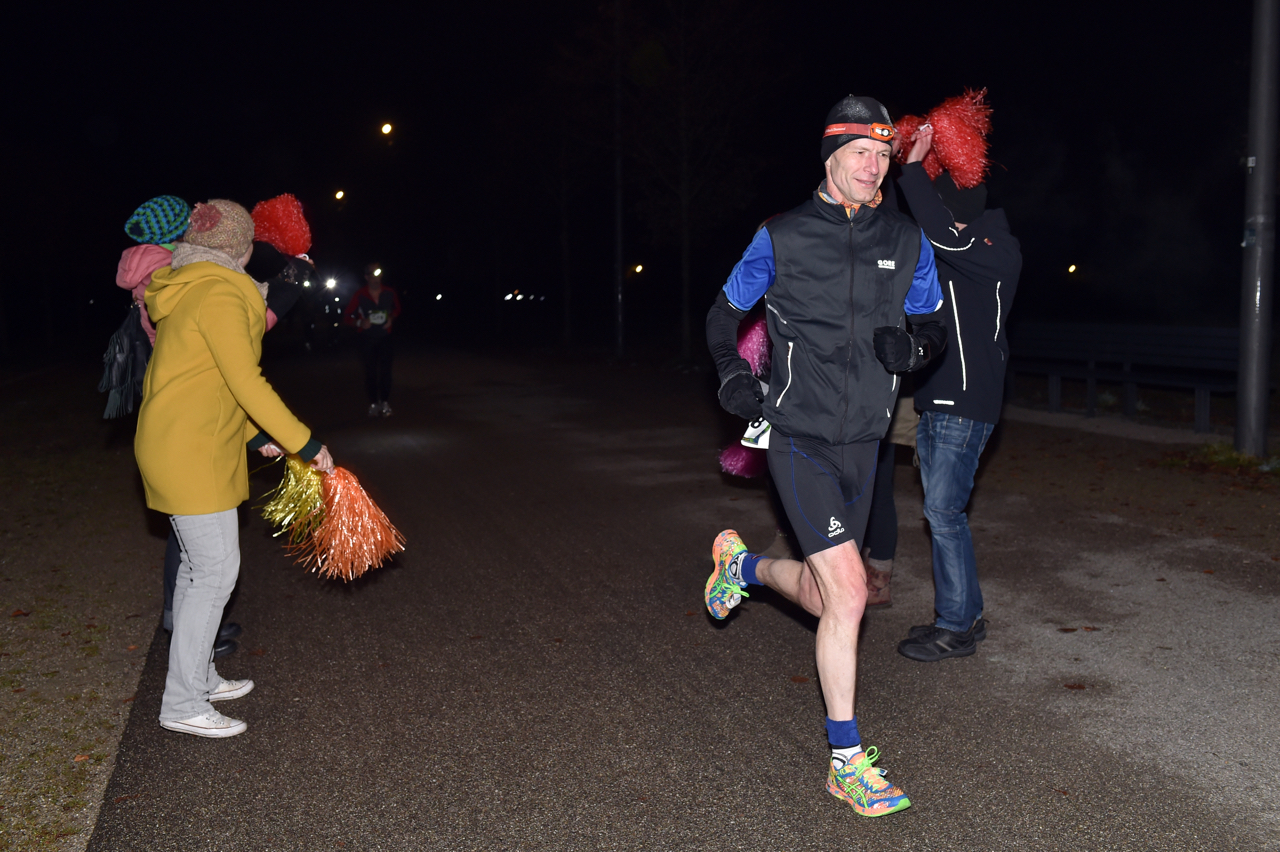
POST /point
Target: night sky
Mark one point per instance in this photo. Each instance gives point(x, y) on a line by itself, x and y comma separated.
point(1118, 138)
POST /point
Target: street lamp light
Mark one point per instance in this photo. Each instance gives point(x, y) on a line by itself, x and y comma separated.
point(386, 128)
point(338, 195)
point(331, 283)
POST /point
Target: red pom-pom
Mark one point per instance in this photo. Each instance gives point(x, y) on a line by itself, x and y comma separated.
point(960, 128)
point(279, 221)
point(205, 217)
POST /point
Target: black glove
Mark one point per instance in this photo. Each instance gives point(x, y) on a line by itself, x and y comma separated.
point(741, 394)
point(899, 351)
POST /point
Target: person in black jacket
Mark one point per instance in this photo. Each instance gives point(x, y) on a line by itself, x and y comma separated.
point(960, 395)
point(841, 276)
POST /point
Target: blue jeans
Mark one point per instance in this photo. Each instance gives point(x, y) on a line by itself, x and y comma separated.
point(949, 448)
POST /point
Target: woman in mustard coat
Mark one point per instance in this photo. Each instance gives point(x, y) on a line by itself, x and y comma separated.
point(204, 400)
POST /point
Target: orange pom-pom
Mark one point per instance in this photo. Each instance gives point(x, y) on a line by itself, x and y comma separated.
point(279, 221)
point(355, 534)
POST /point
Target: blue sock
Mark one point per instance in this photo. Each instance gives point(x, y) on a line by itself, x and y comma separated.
point(843, 735)
point(749, 568)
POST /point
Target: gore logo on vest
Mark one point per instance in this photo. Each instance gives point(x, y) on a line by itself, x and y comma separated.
point(886, 264)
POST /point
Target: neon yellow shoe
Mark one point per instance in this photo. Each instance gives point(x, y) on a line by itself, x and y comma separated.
point(723, 592)
point(864, 787)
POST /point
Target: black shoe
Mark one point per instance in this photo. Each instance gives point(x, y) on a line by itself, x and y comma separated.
point(229, 630)
point(938, 644)
point(224, 648)
point(979, 630)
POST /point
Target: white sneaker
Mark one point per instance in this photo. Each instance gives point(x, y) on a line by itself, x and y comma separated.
point(374, 409)
point(230, 689)
point(211, 724)
point(386, 409)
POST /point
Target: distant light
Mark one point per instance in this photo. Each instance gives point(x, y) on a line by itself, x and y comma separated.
point(377, 272)
point(506, 298)
point(306, 283)
point(336, 299)
point(335, 325)
point(1071, 268)
point(542, 298)
point(439, 296)
point(386, 128)
point(518, 298)
point(639, 267)
point(91, 301)
point(338, 195)
point(331, 283)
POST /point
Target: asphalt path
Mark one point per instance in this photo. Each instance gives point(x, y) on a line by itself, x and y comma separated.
point(537, 670)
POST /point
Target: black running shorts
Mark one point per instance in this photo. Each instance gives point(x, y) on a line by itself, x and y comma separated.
point(826, 488)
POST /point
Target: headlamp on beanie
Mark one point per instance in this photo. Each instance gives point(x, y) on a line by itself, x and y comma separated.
point(853, 118)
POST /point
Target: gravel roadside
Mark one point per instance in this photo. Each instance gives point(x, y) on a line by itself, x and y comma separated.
point(80, 598)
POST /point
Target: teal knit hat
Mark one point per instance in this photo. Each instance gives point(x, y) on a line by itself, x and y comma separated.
point(160, 220)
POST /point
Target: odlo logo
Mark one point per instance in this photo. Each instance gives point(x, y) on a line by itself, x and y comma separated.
point(834, 528)
point(886, 264)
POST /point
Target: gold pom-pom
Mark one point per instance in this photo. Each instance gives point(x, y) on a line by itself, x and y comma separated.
point(297, 504)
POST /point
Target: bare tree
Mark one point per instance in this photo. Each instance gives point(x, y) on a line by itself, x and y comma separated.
point(697, 72)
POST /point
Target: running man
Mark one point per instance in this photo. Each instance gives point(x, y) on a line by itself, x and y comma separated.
point(841, 277)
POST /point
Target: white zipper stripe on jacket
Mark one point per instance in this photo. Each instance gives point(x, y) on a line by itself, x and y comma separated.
point(955, 310)
point(790, 344)
point(948, 248)
point(997, 337)
point(775, 313)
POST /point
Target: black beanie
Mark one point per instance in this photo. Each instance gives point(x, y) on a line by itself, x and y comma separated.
point(856, 110)
point(966, 205)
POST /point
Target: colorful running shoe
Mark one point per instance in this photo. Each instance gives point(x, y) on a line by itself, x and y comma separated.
point(864, 787)
point(723, 592)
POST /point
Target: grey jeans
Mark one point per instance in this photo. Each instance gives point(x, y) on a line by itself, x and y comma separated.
point(210, 548)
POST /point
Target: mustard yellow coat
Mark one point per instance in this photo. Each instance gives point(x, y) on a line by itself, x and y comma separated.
point(204, 391)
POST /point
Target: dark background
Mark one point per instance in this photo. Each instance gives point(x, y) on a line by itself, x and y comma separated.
point(1118, 142)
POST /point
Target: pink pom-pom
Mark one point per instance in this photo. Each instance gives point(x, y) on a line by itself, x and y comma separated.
point(743, 461)
point(753, 344)
point(205, 217)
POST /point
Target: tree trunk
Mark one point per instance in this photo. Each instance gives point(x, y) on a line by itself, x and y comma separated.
point(686, 183)
point(566, 277)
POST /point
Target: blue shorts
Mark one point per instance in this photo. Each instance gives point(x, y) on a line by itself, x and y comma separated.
point(825, 488)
